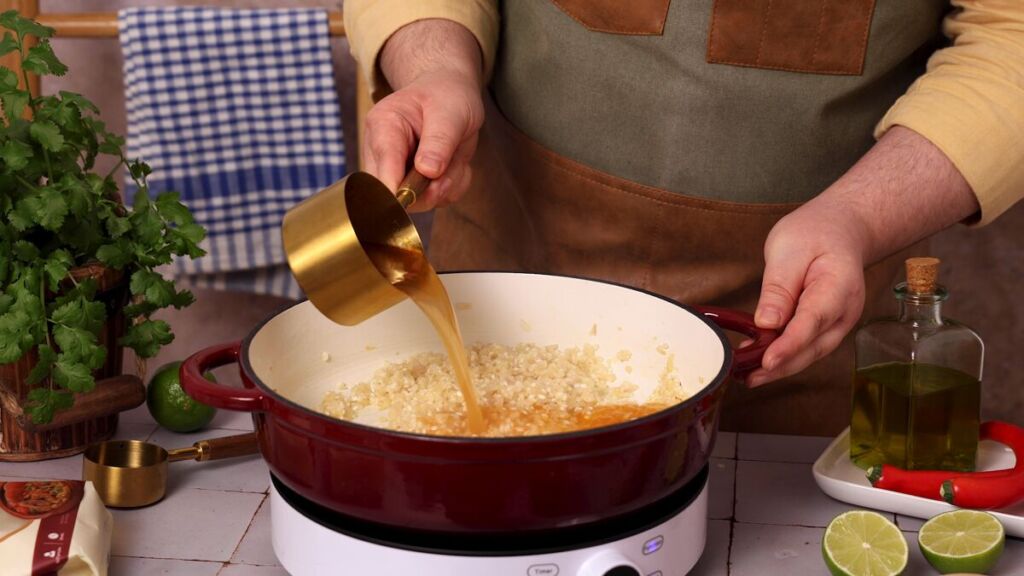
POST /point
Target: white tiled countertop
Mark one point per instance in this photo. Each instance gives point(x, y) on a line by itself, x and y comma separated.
point(766, 514)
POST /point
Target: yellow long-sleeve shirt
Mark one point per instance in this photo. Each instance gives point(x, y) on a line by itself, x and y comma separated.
point(969, 103)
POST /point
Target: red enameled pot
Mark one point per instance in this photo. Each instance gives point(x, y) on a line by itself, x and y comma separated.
point(458, 484)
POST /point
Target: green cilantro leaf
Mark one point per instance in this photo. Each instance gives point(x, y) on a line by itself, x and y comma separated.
point(43, 403)
point(156, 289)
point(56, 267)
point(147, 337)
point(8, 45)
point(183, 299)
point(19, 221)
point(169, 206)
point(25, 251)
point(40, 406)
point(8, 79)
point(78, 101)
point(117, 226)
point(39, 372)
point(80, 313)
point(14, 21)
point(78, 345)
point(149, 229)
point(14, 103)
point(42, 60)
point(141, 308)
point(15, 154)
point(48, 134)
point(111, 144)
point(114, 255)
point(73, 375)
point(80, 198)
point(194, 233)
point(47, 207)
point(13, 327)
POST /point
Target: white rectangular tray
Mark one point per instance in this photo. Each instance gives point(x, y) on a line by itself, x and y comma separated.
point(838, 477)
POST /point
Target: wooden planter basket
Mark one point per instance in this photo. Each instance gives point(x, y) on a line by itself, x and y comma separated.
point(93, 418)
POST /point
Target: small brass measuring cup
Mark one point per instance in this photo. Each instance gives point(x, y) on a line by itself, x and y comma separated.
point(132, 473)
point(325, 238)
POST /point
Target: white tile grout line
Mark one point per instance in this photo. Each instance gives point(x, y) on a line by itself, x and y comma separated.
point(165, 558)
point(735, 498)
point(267, 491)
point(247, 529)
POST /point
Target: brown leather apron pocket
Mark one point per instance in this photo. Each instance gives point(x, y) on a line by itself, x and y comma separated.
point(823, 36)
point(636, 17)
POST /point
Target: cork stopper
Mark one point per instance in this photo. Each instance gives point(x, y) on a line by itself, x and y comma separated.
point(922, 275)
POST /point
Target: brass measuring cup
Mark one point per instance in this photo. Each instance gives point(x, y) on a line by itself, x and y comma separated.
point(325, 238)
point(132, 473)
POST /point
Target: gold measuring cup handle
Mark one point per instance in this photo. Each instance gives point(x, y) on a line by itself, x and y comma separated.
point(411, 188)
point(217, 448)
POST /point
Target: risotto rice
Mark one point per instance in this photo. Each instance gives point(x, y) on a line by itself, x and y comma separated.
point(523, 390)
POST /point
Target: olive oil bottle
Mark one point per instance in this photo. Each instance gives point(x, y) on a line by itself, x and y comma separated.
point(917, 384)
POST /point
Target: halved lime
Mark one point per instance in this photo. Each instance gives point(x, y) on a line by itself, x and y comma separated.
point(862, 543)
point(962, 541)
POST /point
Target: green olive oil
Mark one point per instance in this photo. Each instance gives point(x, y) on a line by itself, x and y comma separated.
point(915, 416)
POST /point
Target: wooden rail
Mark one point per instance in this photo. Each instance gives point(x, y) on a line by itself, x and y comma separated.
point(104, 24)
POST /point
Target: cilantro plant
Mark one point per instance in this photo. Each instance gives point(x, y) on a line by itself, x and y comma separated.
point(58, 213)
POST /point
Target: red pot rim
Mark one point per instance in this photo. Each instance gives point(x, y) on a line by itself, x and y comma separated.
point(711, 387)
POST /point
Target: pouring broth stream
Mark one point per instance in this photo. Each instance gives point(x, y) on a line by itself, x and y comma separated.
point(410, 272)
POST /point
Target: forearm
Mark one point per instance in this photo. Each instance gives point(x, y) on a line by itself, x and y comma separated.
point(429, 46)
point(903, 190)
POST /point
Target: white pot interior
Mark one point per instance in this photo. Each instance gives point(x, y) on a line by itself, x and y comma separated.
point(288, 352)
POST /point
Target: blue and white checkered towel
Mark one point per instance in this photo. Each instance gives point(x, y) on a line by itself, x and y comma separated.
point(237, 110)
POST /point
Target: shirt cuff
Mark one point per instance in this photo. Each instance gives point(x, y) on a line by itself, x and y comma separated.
point(369, 24)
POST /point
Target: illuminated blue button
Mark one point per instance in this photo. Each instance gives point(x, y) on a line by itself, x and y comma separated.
point(653, 545)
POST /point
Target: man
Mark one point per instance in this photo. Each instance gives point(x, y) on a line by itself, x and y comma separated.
point(673, 144)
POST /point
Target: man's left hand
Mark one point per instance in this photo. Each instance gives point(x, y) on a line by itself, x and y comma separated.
point(904, 189)
point(813, 285)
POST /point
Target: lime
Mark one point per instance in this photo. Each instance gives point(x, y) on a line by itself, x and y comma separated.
point(962, 541)
point(862, 543)
point(171, 407)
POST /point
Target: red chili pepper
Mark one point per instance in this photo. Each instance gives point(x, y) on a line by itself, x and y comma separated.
point(984, 493)
point(930, 483)
point(923, 483)
point(971, 491)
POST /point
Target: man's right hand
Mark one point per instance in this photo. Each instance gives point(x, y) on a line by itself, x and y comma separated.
point(435, 111)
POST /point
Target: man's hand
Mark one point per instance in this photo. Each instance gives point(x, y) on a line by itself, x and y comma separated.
point(901, 191)
point(813, 285)
point(436, 110)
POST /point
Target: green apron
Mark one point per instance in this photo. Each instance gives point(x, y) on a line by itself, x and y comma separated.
point(657, 145)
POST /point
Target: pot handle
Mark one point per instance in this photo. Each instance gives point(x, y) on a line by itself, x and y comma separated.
point(212, 393)
point(747, 359)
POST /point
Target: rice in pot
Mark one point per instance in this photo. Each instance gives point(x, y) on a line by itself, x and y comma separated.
point(523, 390)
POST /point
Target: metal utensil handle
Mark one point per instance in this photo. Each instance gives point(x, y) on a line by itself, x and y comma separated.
point(411, 188)
point(217, 448)
point(227, 447)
